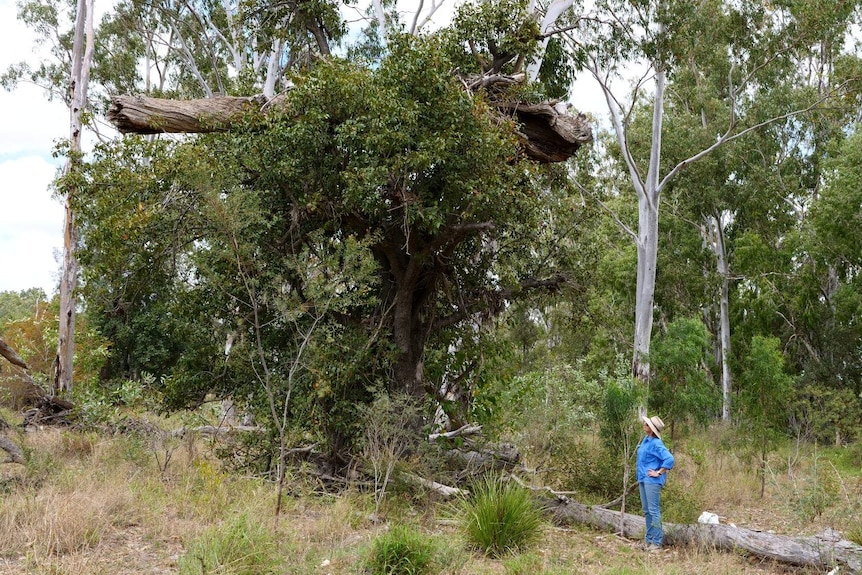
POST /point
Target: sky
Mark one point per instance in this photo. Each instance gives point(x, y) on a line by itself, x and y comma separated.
point(31, 220)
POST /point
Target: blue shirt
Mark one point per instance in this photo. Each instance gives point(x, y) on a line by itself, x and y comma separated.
point(652, 454)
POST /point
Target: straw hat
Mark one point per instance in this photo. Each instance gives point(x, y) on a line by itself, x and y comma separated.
point(655, 423)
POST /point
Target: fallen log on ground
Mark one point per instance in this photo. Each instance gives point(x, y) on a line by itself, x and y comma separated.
point(823, 551)
point(13, 452)
point(11, 355)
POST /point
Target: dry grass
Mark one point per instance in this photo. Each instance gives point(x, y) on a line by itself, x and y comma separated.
point(89, 505)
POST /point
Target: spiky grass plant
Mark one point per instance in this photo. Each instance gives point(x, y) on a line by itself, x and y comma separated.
point(401, 551)
point(500, 517)
point(242, 547)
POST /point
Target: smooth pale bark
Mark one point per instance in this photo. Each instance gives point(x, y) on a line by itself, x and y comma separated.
point(552, 14)
point(648, 192)
point(716, 241)
point(82, 55)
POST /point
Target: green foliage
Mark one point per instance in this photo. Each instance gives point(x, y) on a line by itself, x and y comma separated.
point(543, 410)
point(402, 551)
point(623, 396)
point(766, 388)
point(243, 546)
point(557, 71)
point(681, 504)
point(16, 306)
point(497, 33)
point(589, 468)
point(500, 517)
point(680, 387)
point(766, 395)
point(827, 415)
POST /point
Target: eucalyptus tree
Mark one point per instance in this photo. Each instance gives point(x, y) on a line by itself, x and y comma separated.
point(658, 41)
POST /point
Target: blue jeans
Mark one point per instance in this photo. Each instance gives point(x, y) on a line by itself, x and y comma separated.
point(651, 503)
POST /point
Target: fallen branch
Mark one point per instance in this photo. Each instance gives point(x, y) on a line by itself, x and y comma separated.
point(10, 354)
point(462, 431)
point(15, 455)
point(443, 490)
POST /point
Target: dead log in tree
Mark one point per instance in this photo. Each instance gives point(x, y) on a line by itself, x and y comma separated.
point(144, 115)
point(821, 551)
point(547, 131)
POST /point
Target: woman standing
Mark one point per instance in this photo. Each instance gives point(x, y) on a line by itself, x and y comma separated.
point(653, 462)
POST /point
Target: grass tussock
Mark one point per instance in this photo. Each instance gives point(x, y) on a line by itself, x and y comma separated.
point(402, 550)
point(500, 517)
point(240, 545)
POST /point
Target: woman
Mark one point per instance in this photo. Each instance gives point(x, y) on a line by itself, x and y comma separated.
point(653, 462)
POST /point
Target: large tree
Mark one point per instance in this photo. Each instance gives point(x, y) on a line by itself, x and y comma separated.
point(426, 186)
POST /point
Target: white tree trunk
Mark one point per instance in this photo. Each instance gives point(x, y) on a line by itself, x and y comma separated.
point(716, 242)
point(82, 56)
point(647, 248)
point(552, 14)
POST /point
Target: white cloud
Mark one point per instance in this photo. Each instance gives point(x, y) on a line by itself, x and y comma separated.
point(31, 221)
point(31, 224)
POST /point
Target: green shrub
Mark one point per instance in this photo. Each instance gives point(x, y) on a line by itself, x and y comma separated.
point(588, 468)
point(242, 547)
point(500, 517)
point(401, 551)
point(681, 504)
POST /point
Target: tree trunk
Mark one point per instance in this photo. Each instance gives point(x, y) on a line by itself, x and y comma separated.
point(821, 551)
point(548, 133)
point(82, 56)
point(718, 245)
point(647, 247)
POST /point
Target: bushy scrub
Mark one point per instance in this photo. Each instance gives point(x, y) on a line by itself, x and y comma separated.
point(402, 551)
point(681, 503)
point(500, 517)
point(589, 468)
point(541, 411)
point(241, 547)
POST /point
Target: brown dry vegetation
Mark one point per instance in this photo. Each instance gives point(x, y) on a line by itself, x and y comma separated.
point(87, 504)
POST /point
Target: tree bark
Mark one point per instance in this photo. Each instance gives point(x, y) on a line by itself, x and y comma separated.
point(717, 242)
point(15, 455)
point(82, 56)
point(825, 550)
point(10, 354)
point(547, 132)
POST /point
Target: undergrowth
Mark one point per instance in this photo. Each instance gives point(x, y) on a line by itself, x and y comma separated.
point(85, 503)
